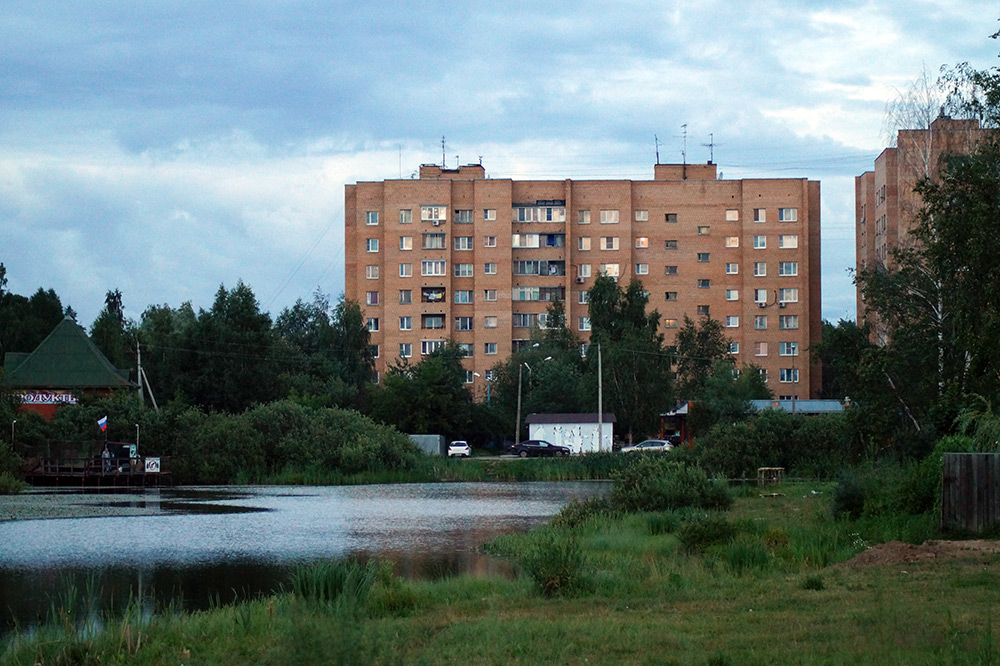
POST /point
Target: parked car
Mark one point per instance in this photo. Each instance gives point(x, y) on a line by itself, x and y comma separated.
point(660, 445)
point(459, 449)
point(539, 447)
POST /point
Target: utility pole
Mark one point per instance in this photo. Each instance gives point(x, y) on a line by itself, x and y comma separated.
point(517, 428)
point(600, 402)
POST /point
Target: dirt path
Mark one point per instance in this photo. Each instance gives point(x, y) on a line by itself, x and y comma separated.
point(896, 552)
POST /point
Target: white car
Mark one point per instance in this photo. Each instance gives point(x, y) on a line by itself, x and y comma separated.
point(459, 449)
point(660, 445)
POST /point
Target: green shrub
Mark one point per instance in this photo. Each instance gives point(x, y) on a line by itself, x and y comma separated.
point(554, 562)
point(10, 484)
point(848, 496)
point(652, 483)
point(813, 582)
point(699, 532)
point(578, 512)
point(346, 582)
point(744, 554)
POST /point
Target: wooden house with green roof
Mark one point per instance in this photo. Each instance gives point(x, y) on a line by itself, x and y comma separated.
point(65, 365)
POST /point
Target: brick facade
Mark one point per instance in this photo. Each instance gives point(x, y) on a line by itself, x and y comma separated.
point(474, 259)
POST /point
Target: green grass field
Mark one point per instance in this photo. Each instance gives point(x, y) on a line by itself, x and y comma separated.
point(764, 583)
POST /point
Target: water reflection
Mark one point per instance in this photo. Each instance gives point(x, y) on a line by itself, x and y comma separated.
point(203, 546)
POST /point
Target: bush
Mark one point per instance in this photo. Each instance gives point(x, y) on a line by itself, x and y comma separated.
point(342, 583)
point(10, 484)
point(555, 563)
point(699, 532)
point(651, 483)
point(578, 512)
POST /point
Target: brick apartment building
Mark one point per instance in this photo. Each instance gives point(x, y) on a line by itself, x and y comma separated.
point(886, 208)
point(455, 255)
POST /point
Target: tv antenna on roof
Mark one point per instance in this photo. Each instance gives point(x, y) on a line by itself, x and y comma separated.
point(684, 152)
point(444, 164)
point(711, 147)
point(656, 142)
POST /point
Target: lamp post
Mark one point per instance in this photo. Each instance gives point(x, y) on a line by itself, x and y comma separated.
point(517, 429)
point(137, 439)
point(12, 433)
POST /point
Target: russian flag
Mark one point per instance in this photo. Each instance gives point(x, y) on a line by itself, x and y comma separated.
point(103, 423)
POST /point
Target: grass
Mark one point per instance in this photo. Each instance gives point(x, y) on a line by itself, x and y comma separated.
point(769, 591)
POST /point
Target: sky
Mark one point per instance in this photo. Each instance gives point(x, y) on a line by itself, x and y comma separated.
point(166, 149)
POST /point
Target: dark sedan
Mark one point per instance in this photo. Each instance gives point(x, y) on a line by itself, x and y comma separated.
point(539, 447)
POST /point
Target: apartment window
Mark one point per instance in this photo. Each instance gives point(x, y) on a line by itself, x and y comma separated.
point(524, 240)
point(609, 242)
point(583, 323)
point(704, 231)
point(406, 242)
point(433, 213)
point(732, 269)
point(489, 241)
point(703, 311)
point(430, 346)
point(489, 268)
point(759, 269)
point(489, 294)
point(490, 321)
point(406, 216)
point(372, 324)
point(703, 257)
point(463, 296)
point(670, 270)
point(642, 241)
point(489, 214)
point(432, 294)
point(788, 322)
point(405, 350)
point(463, 217)
point(406, 270)
point(732, 241)
point(611, 270)
point(789, 376)
point(583, 217)
point(609, 217)
point(788, 349)
point(371, 245)
point(583, 271)
point(763, 374)
point(788, 241)
point(789, 295)
point(732, 215)
point(371, 298)
point(670, 218)
point(642, 269)
point(463, 270)
point(670, 244)
point(732, 294)
point(734, 348)
point(759, 242)
point(432, 321)
point(732, 321)
point(406, 323)
point(435, 241)
point(759, 215)
point(788, 214)
point(583, 243)
point(371, 218)
point(642, 216)
point(490, 348)
point(405, 297)
point(463, 323)
point(670, 295)
point(760, 295)
point(760, 349)
point(669, 323)
point(704, 283)
point(760, 323)
point(583, 297)
point(371, 272)
point(788, 268)
point(432, 267)
point(463, 242)
point(523, 320)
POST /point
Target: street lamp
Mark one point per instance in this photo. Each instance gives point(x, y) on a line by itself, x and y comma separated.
point(523, 364)
point(136, 439)
point(12, 433)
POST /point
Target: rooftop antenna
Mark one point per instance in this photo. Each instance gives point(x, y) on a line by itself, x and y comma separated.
point(711, 147)
point(684, 160)
point(457, 162)
point(444, 165)
point(656, 142)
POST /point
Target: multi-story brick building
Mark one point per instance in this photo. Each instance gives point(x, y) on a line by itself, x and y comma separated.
point(886, 207)
point(453, 254)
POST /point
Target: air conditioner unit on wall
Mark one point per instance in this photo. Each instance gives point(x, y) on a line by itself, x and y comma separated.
point(781, 304)
point(437, 223)
point(761, 305)
point(579, 280)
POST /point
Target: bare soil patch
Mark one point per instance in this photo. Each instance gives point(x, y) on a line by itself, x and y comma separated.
point(897, 552)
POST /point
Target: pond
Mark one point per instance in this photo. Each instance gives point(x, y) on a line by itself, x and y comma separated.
point(195, 547)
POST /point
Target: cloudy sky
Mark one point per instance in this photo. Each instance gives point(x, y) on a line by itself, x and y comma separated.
point(167, 148)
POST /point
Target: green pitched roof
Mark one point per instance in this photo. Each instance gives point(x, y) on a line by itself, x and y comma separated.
point(65, 359)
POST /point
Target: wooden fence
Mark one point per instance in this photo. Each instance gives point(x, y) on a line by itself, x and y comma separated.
point(970, 491)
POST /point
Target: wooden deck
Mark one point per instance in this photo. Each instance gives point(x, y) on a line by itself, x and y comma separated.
point(98, 472)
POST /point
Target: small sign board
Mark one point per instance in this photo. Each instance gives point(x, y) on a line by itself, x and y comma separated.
point(152, 465)
point(133, 452)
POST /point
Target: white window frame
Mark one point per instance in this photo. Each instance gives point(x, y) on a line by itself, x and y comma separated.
point(371, 245)
point(609, 243)
point(489, 241)
point(405, 216)
point(788, 215)
point(760, 242)
point(732, 294)
point(490, 321)
point(405, 270)
point(405, 349)
point(788, 241)
point(760, 269)
point(464, 270)
point(406, 323)
point(732, 215)
point(609, 216)
point(732, 321)
point(463, 243)
point(489, 214)
point(371, 218)
point(371, 271)
point(490, 268)
point(433, 267)
point(489, 295)
point(642, 269)
point(642, 216)
point(406, 243)
point(732, 268)
point(788, 268)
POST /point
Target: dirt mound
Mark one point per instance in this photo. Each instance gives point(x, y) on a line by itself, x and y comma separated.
point(896, 552)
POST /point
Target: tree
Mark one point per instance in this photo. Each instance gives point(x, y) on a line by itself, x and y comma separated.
point(636, 370)
point(699, 346)
point(112, 333)
point(349, 343)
